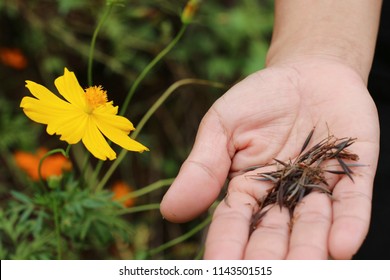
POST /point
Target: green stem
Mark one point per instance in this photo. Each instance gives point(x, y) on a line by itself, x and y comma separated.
point(149, 188)
point(141, 208)
point(95, 175)
point(149, 67)
point(65, 153)
point(107, 11)
point(84, 171)
point(134, 86)
point(57, 229)
point(165, 96)
point(200, 254)
point(181, 238)
point(147, 116)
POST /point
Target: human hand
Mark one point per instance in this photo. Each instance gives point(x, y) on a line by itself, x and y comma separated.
point(269, 115)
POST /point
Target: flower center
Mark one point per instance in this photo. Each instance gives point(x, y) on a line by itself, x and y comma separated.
point(95, 96)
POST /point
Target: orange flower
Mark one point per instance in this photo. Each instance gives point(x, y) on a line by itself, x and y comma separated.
point(13, 57)
point(120, 189)
point(53, 165)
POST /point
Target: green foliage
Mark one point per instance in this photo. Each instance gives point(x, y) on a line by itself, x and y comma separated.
point(21, 233)
point(229, 40)
point(89, 223)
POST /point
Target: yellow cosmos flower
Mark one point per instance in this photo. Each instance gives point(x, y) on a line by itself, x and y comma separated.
point(84, 115)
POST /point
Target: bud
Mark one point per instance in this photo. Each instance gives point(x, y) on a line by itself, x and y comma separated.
point(189, 11)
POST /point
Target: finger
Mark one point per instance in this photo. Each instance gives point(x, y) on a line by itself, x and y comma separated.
point(310, 228)
point(270, 239)
point(228, 233)
point(202, 175)
point(352, 208)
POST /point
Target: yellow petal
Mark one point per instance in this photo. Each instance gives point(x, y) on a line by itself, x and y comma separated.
point(61, 118)
point(42, 92)
point(109, 108)
point(75, 133)
point(71, 128)
point(95, 142)
point(113, 120)
point(70, 89)
point(118, 136)
point(43, 111)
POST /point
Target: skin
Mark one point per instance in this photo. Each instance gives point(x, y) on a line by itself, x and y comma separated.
point(316, 75)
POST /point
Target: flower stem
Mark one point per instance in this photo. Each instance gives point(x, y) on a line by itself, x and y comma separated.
point(147, 189)
point(165, 96)
point(149, 67)
point(107, 11)
point(54, 205)
point(181, 238)
point(57, 228)
point(141, 208)
point(134, 86)
point(147, 116)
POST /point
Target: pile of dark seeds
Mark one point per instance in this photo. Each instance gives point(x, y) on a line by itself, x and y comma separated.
point(293, 180)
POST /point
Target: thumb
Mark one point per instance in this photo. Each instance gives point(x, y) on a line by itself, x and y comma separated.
point(202, 175)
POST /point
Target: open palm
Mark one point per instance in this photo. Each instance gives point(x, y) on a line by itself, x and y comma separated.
point(269, 115)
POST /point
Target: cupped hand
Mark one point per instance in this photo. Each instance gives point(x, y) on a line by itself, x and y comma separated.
point(269, 115)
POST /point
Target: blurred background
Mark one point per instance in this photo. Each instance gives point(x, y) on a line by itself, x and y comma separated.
point(226, 41)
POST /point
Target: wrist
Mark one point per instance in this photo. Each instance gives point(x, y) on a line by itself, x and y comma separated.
point(344, 52)
point(342, 31)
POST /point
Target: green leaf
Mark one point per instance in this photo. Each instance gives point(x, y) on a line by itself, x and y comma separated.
point(21, 197)
point(93, 203)
point(26, 214)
